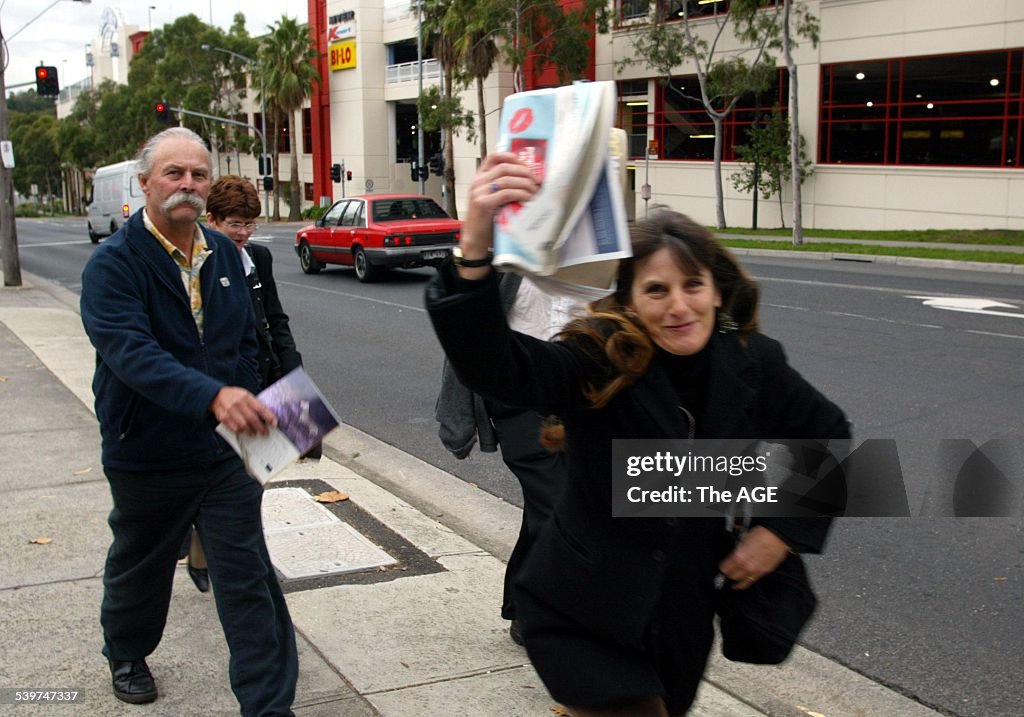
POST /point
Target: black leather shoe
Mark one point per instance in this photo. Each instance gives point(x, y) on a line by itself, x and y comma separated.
point(133, 682)
point(515, 632)
point(201, 577)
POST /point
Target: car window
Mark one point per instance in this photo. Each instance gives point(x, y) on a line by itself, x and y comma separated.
point(334, 214)
point(404, 208)
point(134, 189)
point(360, 219)
point(351, 212)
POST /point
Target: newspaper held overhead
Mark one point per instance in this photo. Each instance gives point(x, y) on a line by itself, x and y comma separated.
point(570, 236)
point(304, 418)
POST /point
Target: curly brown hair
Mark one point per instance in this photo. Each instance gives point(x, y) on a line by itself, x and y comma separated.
point(233, 196)
point(611, 328)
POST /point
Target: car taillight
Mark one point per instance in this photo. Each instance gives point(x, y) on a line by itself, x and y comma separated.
point(126, 211)
point(457, 235)
point(389, 241)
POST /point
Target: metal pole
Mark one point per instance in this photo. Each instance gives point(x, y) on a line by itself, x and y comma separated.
point(8, 232)
point(419, 116)
point(263, 139)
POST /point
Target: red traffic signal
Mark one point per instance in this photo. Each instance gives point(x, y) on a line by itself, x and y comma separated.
point(163, 113)
point(47, 82)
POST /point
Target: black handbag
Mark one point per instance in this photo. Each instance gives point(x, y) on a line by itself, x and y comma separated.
point(761, 624)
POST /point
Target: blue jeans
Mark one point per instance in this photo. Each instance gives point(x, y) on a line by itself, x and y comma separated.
point(152, 511)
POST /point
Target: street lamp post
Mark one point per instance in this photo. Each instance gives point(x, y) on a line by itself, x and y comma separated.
point(263, 120)
point(10, 265)
point(150, 12)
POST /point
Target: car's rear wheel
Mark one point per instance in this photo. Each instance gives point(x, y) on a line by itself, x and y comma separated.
point(307, 261)
point(365, 271)
point(93, 236)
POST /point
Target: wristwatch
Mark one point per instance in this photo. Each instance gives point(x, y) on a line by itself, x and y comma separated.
point(471, 263)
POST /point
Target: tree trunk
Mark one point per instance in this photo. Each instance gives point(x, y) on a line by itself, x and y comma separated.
point(719, 196)
point(277, 170)
point(295, 205)
point(481, 111)
point(449, 151)
point(794, 127)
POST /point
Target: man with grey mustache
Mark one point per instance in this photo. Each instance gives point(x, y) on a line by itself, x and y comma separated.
point(166, 306)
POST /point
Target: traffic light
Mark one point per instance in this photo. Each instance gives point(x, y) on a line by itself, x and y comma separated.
point(163, 113)
point(47, 82)
point(335, 172)
point(266, 164)
point(437, 164)
point(268, 184)
point(424, 173)
point(348, 176)
point(414, 171)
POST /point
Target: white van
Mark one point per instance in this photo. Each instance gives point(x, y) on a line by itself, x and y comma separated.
point(116, 195)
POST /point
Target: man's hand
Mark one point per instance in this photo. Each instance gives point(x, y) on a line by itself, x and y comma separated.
point(242, 412)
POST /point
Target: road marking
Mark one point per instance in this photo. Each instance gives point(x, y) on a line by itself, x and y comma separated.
point(784, 306)
point(54, 243)
point(993, 333)
point(354, 296)
point(970, 305)
point(860, 287)
point(882, 319)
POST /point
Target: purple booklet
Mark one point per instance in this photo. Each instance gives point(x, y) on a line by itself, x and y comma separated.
point(304, 418)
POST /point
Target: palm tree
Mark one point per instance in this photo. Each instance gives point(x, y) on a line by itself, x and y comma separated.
point(480, 53)
point(286, 62)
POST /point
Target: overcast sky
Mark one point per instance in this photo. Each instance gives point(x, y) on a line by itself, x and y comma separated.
point(59, 36)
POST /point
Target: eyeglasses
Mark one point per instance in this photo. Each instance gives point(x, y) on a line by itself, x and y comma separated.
point(250, 227)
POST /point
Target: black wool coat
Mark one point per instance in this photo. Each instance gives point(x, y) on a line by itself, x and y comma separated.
point(605, 573)
point(276, 341)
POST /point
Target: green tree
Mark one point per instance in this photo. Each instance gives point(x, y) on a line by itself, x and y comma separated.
point(765, 158)
point(29, 101)
point(469, 36)
point(440, 108)
point(667, 42)
point(286, 62)
point(479, 53)
point(34, 134)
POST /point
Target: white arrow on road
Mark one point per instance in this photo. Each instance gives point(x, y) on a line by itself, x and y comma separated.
point(969, 305)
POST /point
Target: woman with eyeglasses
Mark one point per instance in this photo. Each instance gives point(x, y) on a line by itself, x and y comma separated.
point(232, 208)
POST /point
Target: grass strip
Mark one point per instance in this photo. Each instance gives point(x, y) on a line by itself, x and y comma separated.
point(1001, 237)
point(1000, 257)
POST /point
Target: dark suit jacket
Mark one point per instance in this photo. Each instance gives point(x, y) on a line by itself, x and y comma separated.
point(275, 336)
point(604, 572)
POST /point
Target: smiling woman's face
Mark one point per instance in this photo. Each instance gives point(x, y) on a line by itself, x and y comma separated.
point(677, 309)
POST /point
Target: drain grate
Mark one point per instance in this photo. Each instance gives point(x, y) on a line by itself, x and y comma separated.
point(306, 540)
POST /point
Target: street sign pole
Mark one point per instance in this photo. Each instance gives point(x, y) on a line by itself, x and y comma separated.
point(9, 261)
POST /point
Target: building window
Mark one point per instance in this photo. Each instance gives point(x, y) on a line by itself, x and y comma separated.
point(684, 130)
point(307, 131)
point(954, 110)
point(634, 106)
point(695, 9)
point(632, 9)
point(307, 191)
point(283, 143)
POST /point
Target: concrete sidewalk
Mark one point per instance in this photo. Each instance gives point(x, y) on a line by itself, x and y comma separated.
point(420, 636)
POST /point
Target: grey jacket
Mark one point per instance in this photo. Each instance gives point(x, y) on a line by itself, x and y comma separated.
point(462, 414)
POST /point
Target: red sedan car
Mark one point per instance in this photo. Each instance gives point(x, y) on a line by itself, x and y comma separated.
point(376, 232)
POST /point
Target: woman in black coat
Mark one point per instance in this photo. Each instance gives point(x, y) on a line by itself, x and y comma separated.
point(617, 613)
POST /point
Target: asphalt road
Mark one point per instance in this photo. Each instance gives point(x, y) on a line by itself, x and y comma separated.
point(932, 607)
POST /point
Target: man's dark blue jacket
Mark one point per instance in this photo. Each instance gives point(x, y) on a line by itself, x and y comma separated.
point(155, 375)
